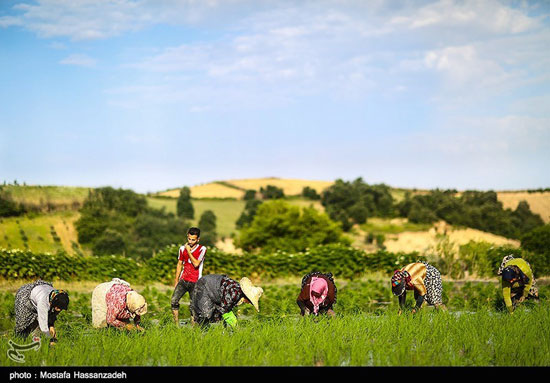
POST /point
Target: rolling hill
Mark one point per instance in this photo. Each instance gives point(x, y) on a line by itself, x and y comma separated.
point(51, 227)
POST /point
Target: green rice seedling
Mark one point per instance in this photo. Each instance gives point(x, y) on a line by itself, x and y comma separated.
point(359, 335)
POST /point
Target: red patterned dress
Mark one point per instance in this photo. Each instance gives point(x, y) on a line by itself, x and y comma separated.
point(118, 314)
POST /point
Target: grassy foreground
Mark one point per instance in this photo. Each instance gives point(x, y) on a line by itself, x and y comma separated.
point(428, 339)
point(367, 332)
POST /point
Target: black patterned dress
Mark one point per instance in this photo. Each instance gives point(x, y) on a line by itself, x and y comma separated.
point(26, 315)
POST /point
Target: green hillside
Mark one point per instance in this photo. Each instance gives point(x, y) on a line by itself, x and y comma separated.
point(47, 198)
point(40, 233)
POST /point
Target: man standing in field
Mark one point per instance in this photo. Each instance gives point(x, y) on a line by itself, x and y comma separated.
point(188, 269)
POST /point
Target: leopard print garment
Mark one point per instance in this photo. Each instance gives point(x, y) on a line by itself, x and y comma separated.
point(26, 317)
point(434, 285)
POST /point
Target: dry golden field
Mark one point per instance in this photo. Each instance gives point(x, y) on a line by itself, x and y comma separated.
point(209, 190)
point(289, 186)
point(219, 190)
point(538, 202)
point(424, 241)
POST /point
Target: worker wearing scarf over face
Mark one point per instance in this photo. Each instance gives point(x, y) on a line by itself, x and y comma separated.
point(318, 294)
point(518, 282)
point(423, 279)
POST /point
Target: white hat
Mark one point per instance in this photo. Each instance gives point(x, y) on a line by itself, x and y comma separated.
point(136, 303)
point(252, 293)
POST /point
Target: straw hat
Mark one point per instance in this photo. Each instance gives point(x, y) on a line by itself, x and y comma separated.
point(136, 303)
point(252, 293)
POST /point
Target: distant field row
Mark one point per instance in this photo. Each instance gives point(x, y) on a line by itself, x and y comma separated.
point(66, 196)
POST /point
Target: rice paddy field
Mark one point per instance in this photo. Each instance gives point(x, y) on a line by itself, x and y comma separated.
point(475, 331)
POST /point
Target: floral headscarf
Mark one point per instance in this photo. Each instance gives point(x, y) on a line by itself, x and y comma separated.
point(320, 286)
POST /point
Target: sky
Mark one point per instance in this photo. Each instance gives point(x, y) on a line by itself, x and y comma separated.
point(150, 95)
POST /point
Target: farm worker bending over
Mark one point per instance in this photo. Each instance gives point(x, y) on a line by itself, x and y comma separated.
point(421, 277)
point(37, 304)
point(318, 294)
point(215, 296)
point(115, 303)
point(99, 304)
point(518, 282)
point(188, 269)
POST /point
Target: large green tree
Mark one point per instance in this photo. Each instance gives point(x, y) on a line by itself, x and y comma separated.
point(353, 202)
point(184, 207)
point(207, 224)
point(271, 192)
point(278, 225)
point(118, 221)
point(246, 217)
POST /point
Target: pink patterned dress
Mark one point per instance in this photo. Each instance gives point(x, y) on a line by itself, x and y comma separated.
point(118, 314)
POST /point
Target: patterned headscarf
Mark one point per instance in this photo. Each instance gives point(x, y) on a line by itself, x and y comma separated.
point(320, 286)
point(399, 282)
point(59, 298)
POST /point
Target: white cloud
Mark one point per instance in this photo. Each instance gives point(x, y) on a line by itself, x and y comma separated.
point(463, 67)
point(489, 15)
point(285, 50)
point(79, 60)
point(100, 19)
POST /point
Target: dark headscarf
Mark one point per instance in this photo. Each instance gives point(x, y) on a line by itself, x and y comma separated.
point(399, 282)
point(511, 272)
point(60, 299)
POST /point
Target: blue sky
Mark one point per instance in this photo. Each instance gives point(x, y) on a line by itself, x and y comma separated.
point(156, 94)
